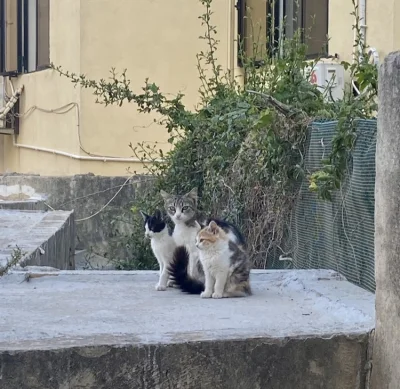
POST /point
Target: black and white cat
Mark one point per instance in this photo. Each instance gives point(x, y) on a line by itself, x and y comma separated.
point(162, 245)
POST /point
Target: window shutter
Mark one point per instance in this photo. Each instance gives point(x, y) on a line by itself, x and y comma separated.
point(10, 38)
point(43, 34)
point(315, 22)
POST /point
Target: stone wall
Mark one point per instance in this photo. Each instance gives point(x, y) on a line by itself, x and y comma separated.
point(386, 362)
point(86, 195)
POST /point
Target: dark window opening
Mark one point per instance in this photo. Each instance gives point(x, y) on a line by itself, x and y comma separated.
point(311, 16)
point(43, 34)
point(241, 41)
point(315, 25)
point(274, 25)
point(2, 35)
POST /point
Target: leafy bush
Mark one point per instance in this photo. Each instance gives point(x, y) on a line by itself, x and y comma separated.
point(244, 146)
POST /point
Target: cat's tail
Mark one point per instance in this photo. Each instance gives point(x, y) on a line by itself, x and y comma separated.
point(178, 271)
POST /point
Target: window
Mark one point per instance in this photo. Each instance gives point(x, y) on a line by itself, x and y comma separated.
point(311, 16)
point(285, 17)
point(24, 35)
point(241, 12)
point(43, 38)
point(251, 29)
point(314, 20)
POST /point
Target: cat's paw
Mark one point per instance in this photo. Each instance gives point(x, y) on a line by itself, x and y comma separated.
point(171, 284)
point(160, 287)
point(205, 295)
point(217, 295)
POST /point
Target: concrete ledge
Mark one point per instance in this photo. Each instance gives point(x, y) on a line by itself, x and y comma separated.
point(24, 205)
point(109, 329)
point(44, 238)
point(303, 363)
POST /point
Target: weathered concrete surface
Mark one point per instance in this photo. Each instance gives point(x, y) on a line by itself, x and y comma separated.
point(44, 238)
point(94, 329)
point(85, 194)
point(86, 260)
point(386, 360)
point(24, 205)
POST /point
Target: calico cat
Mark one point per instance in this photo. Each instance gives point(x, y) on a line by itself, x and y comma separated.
point(182, 209)
point(226, 266)
point(162, 245)
point(230, 229)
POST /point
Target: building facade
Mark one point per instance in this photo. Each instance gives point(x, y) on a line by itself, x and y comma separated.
point(62, 131)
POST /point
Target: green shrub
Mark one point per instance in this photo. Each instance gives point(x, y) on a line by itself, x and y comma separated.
point(244, 146)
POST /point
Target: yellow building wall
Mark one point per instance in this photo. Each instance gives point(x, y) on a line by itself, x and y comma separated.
point(156, 39)
point(396, 26)
point(1, 154)
point(340, 29)
point(382, 31)
point(46, 90)
point(382, 26)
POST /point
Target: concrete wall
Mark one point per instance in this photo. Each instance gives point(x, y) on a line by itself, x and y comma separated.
point(386, 364)
point(334, 362)
point(85, 194)
point(156, 39)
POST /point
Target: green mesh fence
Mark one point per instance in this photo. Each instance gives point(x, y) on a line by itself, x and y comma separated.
point(338, 235)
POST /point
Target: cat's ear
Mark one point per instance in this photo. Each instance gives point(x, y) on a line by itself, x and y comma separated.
point(164, 194)
point(203, 221)
point(158, 214)
point(198, 225)
point(192, 194)
point(144, 215)
point(213, 227)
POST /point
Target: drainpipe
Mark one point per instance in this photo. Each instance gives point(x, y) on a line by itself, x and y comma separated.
point(80, 157)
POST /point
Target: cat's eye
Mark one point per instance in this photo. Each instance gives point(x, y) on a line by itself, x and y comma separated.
point(185, 208)
point(201, 240)
point(171, 209)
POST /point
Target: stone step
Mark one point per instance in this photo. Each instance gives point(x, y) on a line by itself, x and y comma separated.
point(37, 238)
